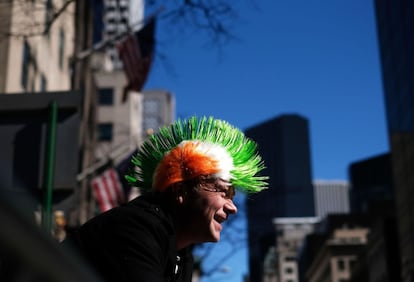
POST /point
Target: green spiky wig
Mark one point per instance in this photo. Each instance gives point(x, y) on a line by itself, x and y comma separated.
point(197, 146)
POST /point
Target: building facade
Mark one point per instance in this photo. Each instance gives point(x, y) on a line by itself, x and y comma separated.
point(334, 261)
point(290, 233)
point(35, 55)
point(395, 26)
point(331, 196)
point(119, 130)
point(371, 182)
point(112, 20)
point(39, 43)
point(283, 142)
point(123, 125)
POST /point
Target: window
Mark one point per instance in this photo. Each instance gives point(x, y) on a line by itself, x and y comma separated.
point(152, 114)
point(290, 258)
point(355, 240)
point(33, 86)
point(49, 11)
point(25, 64)
point(351, 263)
point(152, 106)
point(105, 131)
point(288, 270)
point(151, 123)
point(61, 47)
point(341, 264)
point(106, 96)
point(43, 83)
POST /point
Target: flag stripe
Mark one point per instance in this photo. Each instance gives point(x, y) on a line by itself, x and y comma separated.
point(101, 195)
point(108, 190)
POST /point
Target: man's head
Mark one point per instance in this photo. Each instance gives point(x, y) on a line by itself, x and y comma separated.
point(199, 162)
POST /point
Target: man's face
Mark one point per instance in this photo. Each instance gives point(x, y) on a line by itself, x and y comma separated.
point(207, 208)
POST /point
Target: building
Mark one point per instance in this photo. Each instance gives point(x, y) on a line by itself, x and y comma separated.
point(382, 258)
point(331, 196)
point(371, 182)
point(334, 261)
point(118, 130)
point(35, 56)
point(38, 54)
point(112, 19)
point(122, 126)
point(270, 266)
point(395, 25)
point(159, 110)
point(283, 142)
point(310, 247)
point(124, 117)
point(329, 253)
point(290, 233)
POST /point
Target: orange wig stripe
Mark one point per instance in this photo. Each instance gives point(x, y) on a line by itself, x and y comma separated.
point(183, 162)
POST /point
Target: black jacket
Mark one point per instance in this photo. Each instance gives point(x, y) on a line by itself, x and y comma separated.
point(133, 242)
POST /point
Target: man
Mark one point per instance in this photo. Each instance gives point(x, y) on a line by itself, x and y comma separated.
point(188, 173)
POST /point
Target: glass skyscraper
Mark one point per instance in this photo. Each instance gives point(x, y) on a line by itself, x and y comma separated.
point(283, 142)
point(395, 26)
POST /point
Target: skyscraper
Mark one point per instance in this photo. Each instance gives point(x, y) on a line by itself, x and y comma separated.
point(395, 26)
point(284, 145)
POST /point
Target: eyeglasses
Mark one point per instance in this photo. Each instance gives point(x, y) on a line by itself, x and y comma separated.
point(228, 190)
point(212, 185)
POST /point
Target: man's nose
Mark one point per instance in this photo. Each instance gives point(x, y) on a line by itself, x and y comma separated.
point(230, 207)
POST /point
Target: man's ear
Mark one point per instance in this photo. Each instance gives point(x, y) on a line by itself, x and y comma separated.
point(178, 192)
point(180, 199)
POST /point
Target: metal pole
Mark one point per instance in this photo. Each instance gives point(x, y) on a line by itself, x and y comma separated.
point(49, 166)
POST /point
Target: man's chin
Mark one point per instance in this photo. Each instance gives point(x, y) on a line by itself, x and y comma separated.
point(213, 238)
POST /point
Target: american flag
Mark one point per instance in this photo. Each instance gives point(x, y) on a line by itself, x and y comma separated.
point(108, 190)
point(136, 53)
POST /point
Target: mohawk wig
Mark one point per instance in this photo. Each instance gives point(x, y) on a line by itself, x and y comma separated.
point(196, 147)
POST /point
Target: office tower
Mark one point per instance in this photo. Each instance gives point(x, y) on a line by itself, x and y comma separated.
point(371, 183)
point(395, 27)
point(283, 143)
point(331, 196)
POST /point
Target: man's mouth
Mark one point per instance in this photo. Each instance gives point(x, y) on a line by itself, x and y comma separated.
point(219, 219)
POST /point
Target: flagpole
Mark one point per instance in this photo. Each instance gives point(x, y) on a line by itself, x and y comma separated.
point(49, 166)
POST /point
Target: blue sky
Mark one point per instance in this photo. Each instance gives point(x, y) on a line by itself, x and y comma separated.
point(315, 58)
